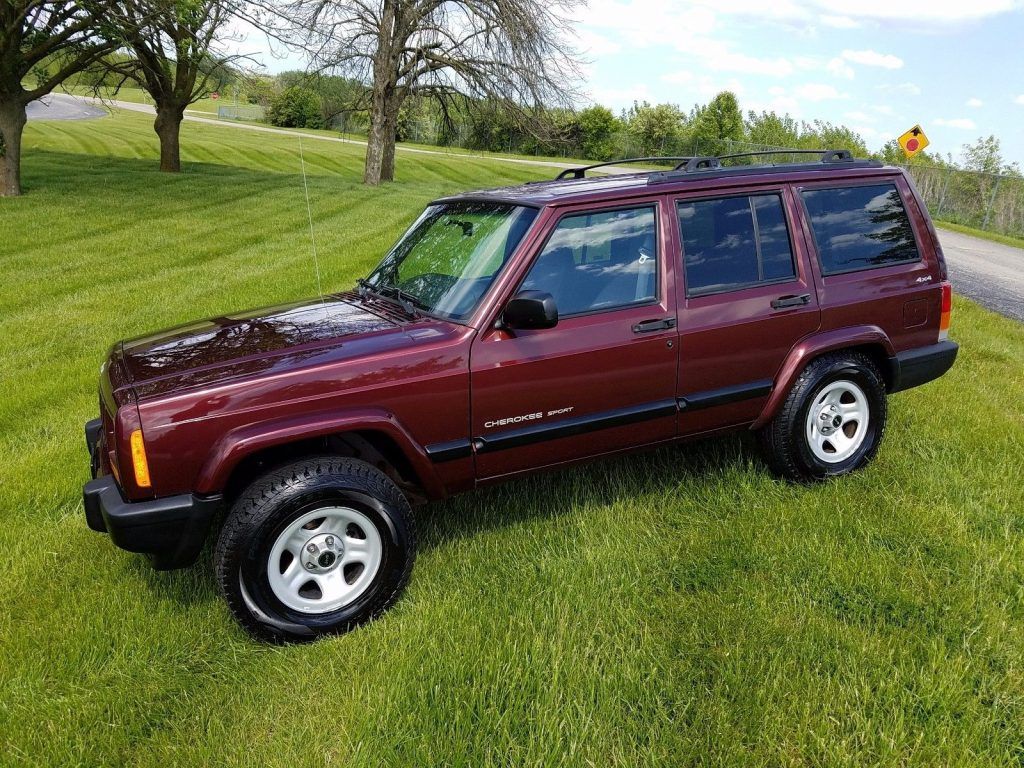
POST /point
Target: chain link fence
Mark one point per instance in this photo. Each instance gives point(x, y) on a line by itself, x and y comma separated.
point(988, 201)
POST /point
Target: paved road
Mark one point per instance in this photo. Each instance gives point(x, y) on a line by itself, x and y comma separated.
point(60, 106)
point(990, 273)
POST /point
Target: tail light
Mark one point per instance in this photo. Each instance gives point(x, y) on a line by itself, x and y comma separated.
point(947, 309)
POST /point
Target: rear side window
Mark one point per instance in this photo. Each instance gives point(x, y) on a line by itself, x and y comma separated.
point(860, 227)
point(734, 242)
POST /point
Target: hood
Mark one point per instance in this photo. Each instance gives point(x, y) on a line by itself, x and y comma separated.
point(237, 345)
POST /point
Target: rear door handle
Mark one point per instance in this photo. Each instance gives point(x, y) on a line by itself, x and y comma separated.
point(647, 326)
point(791, 301)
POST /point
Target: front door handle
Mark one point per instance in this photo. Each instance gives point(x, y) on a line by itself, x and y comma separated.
point(791, 301)
point(647, 326)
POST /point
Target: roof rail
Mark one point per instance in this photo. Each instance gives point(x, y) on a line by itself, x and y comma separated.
point(712, 162)
point(581, 172)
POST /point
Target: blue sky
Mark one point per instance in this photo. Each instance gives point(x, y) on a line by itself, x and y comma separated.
point(878, 66)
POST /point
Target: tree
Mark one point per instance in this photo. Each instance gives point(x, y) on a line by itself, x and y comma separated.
point(655, 129)
point(297, 107)
point(597, 129)
point(51, 40)
point(508, 50)
point(986, 156)
point(173, 45)
point(718, 123)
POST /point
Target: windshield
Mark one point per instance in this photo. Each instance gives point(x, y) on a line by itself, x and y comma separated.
point(448, 259)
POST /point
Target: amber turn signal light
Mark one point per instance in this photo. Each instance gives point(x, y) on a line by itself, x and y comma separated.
point(139, 462)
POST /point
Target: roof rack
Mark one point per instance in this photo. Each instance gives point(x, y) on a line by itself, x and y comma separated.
point(712, 162)
point(581, 172)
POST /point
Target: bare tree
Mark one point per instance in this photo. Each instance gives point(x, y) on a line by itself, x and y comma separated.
point(51, 40)
point(514, 51)
point(173, 56)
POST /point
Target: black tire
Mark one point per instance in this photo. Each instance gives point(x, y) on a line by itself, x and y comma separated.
point(279, 498)
point(785, 440)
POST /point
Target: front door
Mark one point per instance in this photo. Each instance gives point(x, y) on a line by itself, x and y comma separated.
point(603, 379)
point(746, 297)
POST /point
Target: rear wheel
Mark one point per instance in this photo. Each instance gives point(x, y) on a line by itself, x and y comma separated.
point(832, 421)
point(315, 548)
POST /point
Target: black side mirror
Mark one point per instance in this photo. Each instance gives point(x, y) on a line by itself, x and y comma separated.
point(530, 310)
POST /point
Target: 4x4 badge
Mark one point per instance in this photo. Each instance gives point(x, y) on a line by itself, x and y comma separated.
point(927, 279)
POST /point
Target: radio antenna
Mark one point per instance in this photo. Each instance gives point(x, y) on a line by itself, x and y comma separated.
point(309, 212)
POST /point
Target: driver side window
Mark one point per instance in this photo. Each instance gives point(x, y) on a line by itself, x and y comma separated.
point(599, 261)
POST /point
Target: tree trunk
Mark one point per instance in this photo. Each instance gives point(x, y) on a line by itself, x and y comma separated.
point(387, 166)
point(12, 125)
point(168, 127)
point(375, 148)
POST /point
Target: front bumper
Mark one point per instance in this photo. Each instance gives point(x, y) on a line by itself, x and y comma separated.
point(170, 530)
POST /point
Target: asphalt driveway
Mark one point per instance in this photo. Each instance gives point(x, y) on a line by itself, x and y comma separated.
point(990, 273)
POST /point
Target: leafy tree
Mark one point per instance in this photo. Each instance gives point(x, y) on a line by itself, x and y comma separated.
point(598, 128)
point(173, 47)
point(655, 129)
point(297, 107)
point(718, 123)
point(770, 130)
point(52, 41)
point(986, 156)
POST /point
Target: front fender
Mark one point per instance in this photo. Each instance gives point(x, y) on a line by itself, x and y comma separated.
point(812, 346)
point(247, 440)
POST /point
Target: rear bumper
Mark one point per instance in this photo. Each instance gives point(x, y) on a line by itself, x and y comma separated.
point(171, 530)
point(919, 366)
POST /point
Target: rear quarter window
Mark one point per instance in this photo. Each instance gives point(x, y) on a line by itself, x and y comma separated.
point(860, 227)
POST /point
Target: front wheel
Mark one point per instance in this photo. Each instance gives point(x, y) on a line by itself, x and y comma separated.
point(832, 421)
point(315, 548)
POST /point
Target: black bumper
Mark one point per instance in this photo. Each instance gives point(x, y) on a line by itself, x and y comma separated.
point(919, 366)
point(170, 530)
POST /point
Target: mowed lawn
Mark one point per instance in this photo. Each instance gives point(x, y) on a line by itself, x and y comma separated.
point(672, 608)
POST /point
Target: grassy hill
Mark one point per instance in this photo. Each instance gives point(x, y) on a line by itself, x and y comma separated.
point(679, 607)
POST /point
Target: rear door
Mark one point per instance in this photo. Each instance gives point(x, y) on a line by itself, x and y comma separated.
point(869, 258)
point(604, 378)
point(746, 296)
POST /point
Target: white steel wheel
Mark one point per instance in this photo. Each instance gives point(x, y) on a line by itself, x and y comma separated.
point(837, 422)
point(324, 560)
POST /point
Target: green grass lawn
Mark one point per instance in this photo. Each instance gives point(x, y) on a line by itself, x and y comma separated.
point(680, 607)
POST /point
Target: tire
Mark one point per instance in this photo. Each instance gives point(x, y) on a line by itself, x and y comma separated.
point(315, 548)
point(832, 421)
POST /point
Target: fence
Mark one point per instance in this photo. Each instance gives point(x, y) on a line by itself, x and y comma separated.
point(982, 200)
point(241, 112)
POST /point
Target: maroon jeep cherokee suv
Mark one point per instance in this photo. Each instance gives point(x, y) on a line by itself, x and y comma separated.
point(513, 330)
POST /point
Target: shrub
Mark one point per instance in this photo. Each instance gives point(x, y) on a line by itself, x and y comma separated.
point(296, 107)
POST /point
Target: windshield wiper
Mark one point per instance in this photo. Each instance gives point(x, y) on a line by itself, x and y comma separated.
point(405, 300)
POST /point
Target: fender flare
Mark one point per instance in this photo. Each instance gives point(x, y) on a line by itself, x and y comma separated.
point(237, 444)
point(812, 346)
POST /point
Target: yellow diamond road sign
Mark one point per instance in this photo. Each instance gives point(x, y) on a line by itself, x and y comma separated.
point(913, 141)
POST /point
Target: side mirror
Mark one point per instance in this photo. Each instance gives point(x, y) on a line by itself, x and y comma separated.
point(530, 310)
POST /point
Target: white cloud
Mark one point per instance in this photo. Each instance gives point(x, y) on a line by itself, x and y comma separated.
point(937, 12)
point(901, 89)
point(594, 44)
point(840, 68)
point(958, 122)
point(1019, 99)
point(871, 58)
point(975, 103)
point(839, 22)
point(817, 92)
